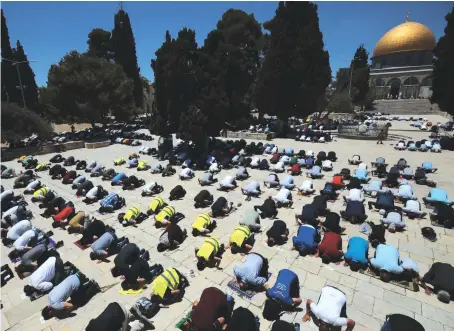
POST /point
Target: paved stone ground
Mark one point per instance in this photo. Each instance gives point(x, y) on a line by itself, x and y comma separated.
point(369, 300)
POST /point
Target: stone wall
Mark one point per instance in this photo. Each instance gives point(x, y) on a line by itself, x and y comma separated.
point(8, 155)
point(247, 135)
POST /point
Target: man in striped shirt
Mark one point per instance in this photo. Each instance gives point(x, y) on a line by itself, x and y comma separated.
point(111, 202)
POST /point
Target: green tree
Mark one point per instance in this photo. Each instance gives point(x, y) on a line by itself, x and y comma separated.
point(443, 73)
point(361, 74)
point(193, 125)
point(296, 70)
point(27, 77)
point(124, 47)
point(19, 123)
point(9, 75)
point(100, 44)
point(340, 102)
point(85, 88)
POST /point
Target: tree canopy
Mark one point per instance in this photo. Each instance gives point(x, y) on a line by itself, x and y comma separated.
point(100, 44)
point(9, 75)
point(443, 73)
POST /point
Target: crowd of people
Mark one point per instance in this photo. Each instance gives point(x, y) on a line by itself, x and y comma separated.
point(319, 231)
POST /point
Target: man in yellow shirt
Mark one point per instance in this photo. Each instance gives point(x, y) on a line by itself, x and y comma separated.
point(210, 253)
point(203, 224)
point(241, 239)
point(168, 286)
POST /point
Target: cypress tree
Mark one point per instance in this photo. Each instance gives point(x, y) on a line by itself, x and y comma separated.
point(361, 74)
point(27, 77)
point(124, 47)
point(296, 70)
point(9, 75)
point(443, 73)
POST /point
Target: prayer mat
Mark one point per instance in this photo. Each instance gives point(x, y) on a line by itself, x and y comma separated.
point(82, 247)
point(181, 323)
point(248, 294)
point(409, 285)
point(130, 291)
point(51, 244)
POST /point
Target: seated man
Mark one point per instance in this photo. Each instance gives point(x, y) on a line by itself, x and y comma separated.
point(251, 220)
point(76, 182)
point(72, 287)
point(307, 188)
point(242, 173)
point(251, 190)
point(354, 195)
point(132, 182)
point(168, 286)
point(178, 192)
point(355, 160)
point(186, 173)
point(83, 188)
point(283, 296)
point(210, 253)
point(412, 209)
point(268, 209)
point(306, 240)
point(241, 239)
point(132, 216)
point(203, 224)
point(362, 175)
point(111, 203)
point(151, 189)
point(164, 216)
point(108, 174)
point(277, 234)
point(330, 310)
point(329, 191)
point(107, 244)
point(437, 195)
point(354, 212)
point(327, 165)
point(253, 274)
point(203, 199)
point(405, 192)
point(142, 166)
point(157, 168)
point(168, 171)
point(388, 262)
point(288, 183)
point(283, 198)
point(332, 223)
point(96, 193)
point(172, 237)
point(440, 276)
point(279, 167)
point(315, 172)
point(385, 200)
point(207, 179)
point(373, 188)
point(41, 280)
point(221, 207)
point(272, 181)
point(330, 249)
point(427, 166)
point(443, 215)
point(212, 312)
point(357, 254)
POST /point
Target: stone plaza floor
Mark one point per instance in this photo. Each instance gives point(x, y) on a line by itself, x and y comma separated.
point(369, 300)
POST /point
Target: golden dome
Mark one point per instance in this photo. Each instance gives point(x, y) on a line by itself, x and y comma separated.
point(408, 36)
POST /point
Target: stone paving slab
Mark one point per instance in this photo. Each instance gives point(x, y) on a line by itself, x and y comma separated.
point(369, 300)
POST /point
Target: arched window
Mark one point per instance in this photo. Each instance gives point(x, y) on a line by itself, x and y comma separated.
point(394, 82)
point(379, 82)
point(411, 81)
point(427, 81)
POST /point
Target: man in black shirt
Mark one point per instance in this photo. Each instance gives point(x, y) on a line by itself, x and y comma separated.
point(267, 209)
point(321, 204)
point(443, 215)
point(96, 229)
point(221, 207)
point(178, 192)
point(83, 188)
point(354, 183)
point(332, 222)
point(440, 276)
point(308, 215)
point(126, 257)
point(354, 212)
point(203, 199)
point(114, 318)
point(277, 234)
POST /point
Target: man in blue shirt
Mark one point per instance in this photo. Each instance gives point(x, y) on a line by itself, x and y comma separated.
point(373, 188)
point(253, 273)
point(315, 172)
point(427, 166)
point(107, 244)
point(329, 191)
point(405, 191)
point(306, 240)
point(362, 175)
point(357, 253)
point(387, 261)
point(117, 180)
point(385, 200)
point(111, 202)
point(437, 195)
point(309, 163)
point(354, 212)
point(288, 182)
point(284, 295)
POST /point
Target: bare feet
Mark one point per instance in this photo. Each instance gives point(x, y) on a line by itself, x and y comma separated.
point(306, 318)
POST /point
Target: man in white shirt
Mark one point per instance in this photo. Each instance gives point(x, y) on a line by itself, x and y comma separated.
point(251, 189)
point(274, 150)
point(283, 198)
point(327, 165)
point(214, 168)
point(94, 194)
point(329, 310)
point(16, 231)
point(152, 188)
point(41, 280)
point(355, 195)
point(306, 188)
point(412, 209)
point(32, 187)
point(279, 167)
point(22, 243)
point(228, 183)
point(255, 163)
point(271, 181)
point(186, 173)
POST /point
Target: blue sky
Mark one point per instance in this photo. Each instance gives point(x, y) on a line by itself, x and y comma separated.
point(49, 30)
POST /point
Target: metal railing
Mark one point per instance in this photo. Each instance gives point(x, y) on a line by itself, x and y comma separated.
point(362, 130)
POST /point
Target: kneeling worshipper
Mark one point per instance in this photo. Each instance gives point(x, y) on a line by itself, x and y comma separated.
point(108, 174)
point(443, 215)
point(221, 207)
point(241, 173)
point(283, 296)
point(139, 274)
point(79, 180)
point(125, 258)
point(178, 192)
point(243, 320)
point(168, 286)
point(114, 318)
point(315, 172)
point(251, 190)
point(357, 254)
point(17, 230)
point(83, 188)
point(390, 266)
point(227, 183)
point(186, 173)
point(330, 249)
point(203, 199)
point(172, 237)
point(111, 202)
point(40, 281)
point(107, 244)
point(271, 181)
point(32, 187)
point(331, 223)
point(156, 205)
point(34, 258)
point(210, 253)
point(309, 215)
point(94, 230)
point(241, 239)
point(132, 216)
point(253, 274)
point(268, 209)
point(277, 234)
point(151, 189)
point(96, 193)
point(306, 188)
point(287, 183)
point(164, 216)
point(132, 182)
point(306, 240)
point(413, 210)
point(440, 276)
point(331, 310)
point(212, 312)
point(354, 212)
point(203, 225)
point(251, 220)
point(283, 198)
point(393, 220)
point(207, 179)
point(329, 191)
point(118, 179)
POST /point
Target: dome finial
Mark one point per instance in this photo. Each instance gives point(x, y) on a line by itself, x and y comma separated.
point(407, 17)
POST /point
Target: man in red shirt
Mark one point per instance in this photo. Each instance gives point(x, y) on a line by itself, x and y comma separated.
point(211, 312)
point(275, 158)
point(338, 182)
point(295, 170)
point(330, 249)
